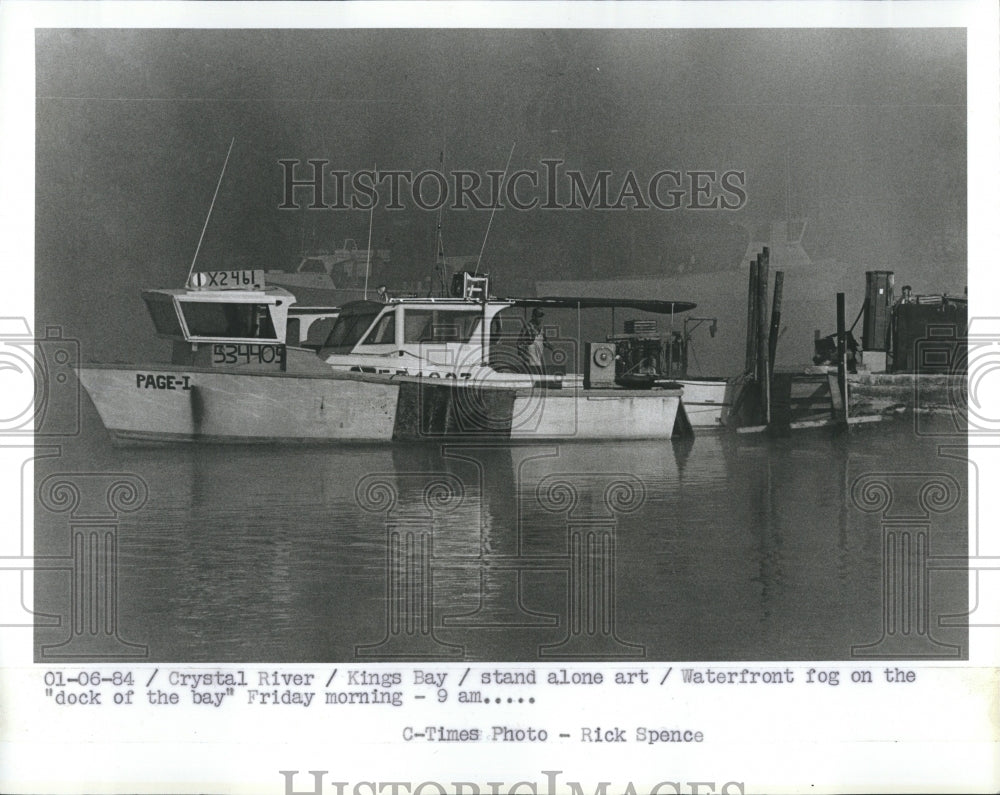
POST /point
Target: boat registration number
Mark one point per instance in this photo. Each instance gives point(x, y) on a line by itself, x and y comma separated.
point(224, 353)
point(227, 280)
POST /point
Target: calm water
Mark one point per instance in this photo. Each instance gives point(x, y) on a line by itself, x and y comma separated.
point(728, 547)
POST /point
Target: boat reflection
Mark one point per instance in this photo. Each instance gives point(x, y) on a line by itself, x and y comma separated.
point(495, 538)
point(722, 547)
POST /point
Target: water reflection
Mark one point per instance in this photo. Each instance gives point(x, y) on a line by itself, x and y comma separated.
point(723, 547)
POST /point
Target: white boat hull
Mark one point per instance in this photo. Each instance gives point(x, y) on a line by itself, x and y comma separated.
point(220, 406)
point(171, 403)
point(597, 414)
point(707, 401)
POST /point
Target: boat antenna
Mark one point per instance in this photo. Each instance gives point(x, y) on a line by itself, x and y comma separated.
point(368, 256)
point(440, 236)
point(210, 207)
point(494, 211)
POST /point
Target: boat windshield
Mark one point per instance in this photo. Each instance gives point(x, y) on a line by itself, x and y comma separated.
point(384, 332)
point(348, 329)
point(226, 320)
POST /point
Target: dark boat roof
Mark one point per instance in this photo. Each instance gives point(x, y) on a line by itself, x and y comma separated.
point(656, 306)
point(644, 305)
point(361, 307)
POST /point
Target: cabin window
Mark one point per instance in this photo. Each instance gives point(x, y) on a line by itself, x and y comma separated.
point(225, 320)
point(384, 332)
point(292, 332)
point(432, 325)
point(161, 310)
point(349, 329)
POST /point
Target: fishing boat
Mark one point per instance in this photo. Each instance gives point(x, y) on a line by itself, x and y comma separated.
point(646, 353)
point(717, 277)
point(405, 369)
point(331, 276)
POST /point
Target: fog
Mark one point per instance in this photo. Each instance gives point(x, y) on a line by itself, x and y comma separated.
point(863, 132)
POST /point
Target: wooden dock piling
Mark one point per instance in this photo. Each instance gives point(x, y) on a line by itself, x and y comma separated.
point(778, 390)
point(772, 340)
point(762, 369)
point(751, 347)
point(842, 359)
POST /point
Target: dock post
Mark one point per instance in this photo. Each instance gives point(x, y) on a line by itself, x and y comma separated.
point(763, 369)
point(772, 341)
point(751, 357)
point(778, 407)
point(842, 358)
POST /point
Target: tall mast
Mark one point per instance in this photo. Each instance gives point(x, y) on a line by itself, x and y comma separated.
point(371, 221)
point(439, 267)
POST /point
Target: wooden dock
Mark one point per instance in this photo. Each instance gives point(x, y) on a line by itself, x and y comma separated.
point(812, 400)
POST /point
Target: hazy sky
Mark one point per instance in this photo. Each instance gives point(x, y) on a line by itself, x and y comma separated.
point(863, 131)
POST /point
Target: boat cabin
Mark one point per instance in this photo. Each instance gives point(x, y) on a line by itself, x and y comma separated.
point(347, 264)
point(231, 317)
point(412, 336)
point(209, 316)
point(462, 336)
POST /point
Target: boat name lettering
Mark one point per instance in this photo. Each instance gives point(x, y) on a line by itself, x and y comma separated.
point(162, 381)
point(247, 353)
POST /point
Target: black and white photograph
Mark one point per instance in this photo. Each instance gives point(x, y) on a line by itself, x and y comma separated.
point(473, 373)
